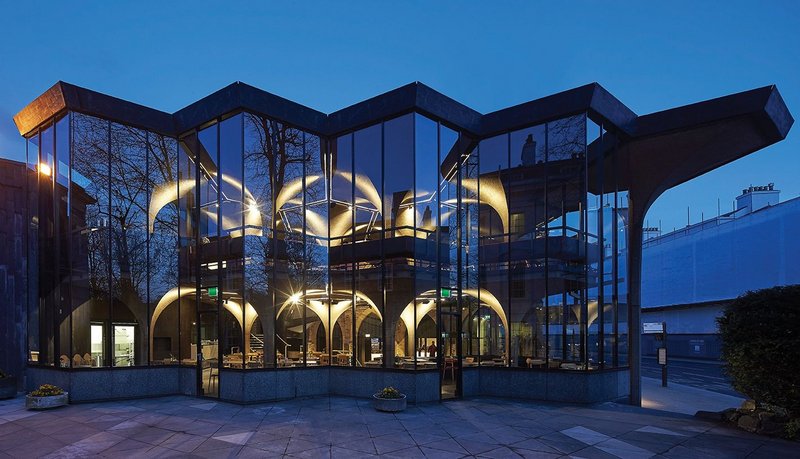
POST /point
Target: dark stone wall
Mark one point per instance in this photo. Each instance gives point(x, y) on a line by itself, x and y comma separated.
point(13, 265)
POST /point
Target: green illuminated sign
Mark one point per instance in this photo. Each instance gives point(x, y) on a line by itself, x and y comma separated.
point(212, 291)
point(445, 293)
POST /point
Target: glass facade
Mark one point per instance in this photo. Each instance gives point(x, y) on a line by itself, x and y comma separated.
point(248, 243)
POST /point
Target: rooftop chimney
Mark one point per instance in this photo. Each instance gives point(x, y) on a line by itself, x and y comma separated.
point(754, 198)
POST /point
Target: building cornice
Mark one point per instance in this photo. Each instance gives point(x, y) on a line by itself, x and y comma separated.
point(667, 142)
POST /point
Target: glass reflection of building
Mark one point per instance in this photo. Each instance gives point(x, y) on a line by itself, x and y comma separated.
point(409, 243)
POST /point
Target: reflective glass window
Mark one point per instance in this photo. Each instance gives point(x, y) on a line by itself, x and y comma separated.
point(90, 242)
point(398, 223)
point(528, 239)
point(129, 255)
point(368, 254)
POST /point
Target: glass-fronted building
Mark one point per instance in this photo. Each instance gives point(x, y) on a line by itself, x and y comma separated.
point(250, 248)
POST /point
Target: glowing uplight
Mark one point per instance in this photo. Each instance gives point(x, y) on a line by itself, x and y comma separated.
point(45, 169)
point(295, 298)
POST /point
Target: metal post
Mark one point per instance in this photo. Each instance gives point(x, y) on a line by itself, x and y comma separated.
point(664, 346)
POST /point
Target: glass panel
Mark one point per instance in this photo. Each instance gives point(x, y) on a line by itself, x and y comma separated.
point(129, 188)
point(289, 244)
point(426, 257)
point(316, 293)
point(467, 152)
point(595, 247)
point(259, 154)
point(32, 186)
point(398, 247)
point(368, 167)
point(566, 242)
point(90, 240)
point(235, 316)
point(623, 359)
point(493, 193)
point(207, 161)
point(528, 223)
point(171, 222)
point(342, 316)
point(48, 250)
point(62, 199)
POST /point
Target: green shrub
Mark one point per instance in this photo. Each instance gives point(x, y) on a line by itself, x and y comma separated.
point(760, 334)
point(47, 390)
point(390, 392)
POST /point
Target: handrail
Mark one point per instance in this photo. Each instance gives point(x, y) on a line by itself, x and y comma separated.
point(285, 348)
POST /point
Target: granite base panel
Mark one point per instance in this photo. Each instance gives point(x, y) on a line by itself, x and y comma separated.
point(281, 384)
point(267, 385)
point(471, 382)
point(556, 386)
point(112, 384)
point(419, 386)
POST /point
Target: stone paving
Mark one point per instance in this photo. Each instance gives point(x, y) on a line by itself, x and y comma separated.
point(349, 428)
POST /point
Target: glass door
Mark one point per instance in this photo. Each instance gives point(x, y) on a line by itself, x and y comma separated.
point(98, 345)
point(124, 345)
point(208, 355)
point(451, 349)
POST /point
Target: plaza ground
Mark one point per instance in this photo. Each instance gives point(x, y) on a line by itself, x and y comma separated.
point(348, 427)
point(701, 374)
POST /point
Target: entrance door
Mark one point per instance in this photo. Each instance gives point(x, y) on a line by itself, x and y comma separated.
point(208, 355)
point(451, 350)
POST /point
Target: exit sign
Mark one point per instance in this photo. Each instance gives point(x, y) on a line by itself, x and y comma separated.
point(212, 291)
point(445, 293)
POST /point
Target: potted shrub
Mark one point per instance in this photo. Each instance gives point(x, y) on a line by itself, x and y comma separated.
point(8, 386)
point(45, 397)
point(389, 400)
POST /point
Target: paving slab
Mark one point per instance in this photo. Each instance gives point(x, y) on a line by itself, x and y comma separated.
point(326, 427)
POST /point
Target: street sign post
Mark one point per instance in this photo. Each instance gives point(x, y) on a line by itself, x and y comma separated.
point(660, 329)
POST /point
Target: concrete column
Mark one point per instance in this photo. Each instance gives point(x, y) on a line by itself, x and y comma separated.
point(635, 220)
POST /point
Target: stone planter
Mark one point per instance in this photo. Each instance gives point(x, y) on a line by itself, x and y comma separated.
point(389, 405)
point(8, 387)
point(45, 403)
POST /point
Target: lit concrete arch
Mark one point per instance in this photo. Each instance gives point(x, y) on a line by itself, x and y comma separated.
point(424, 307)
point(169, 192)
point(246, 316)
point(491, 192)
point(328, 314)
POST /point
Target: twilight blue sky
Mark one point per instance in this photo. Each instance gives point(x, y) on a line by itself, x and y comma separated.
point(488, 55)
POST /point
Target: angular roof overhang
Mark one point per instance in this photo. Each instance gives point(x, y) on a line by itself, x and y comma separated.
point(673, 146)
point(64, 96)
point(664, 148)
point(240, 96)
point(415, 97)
